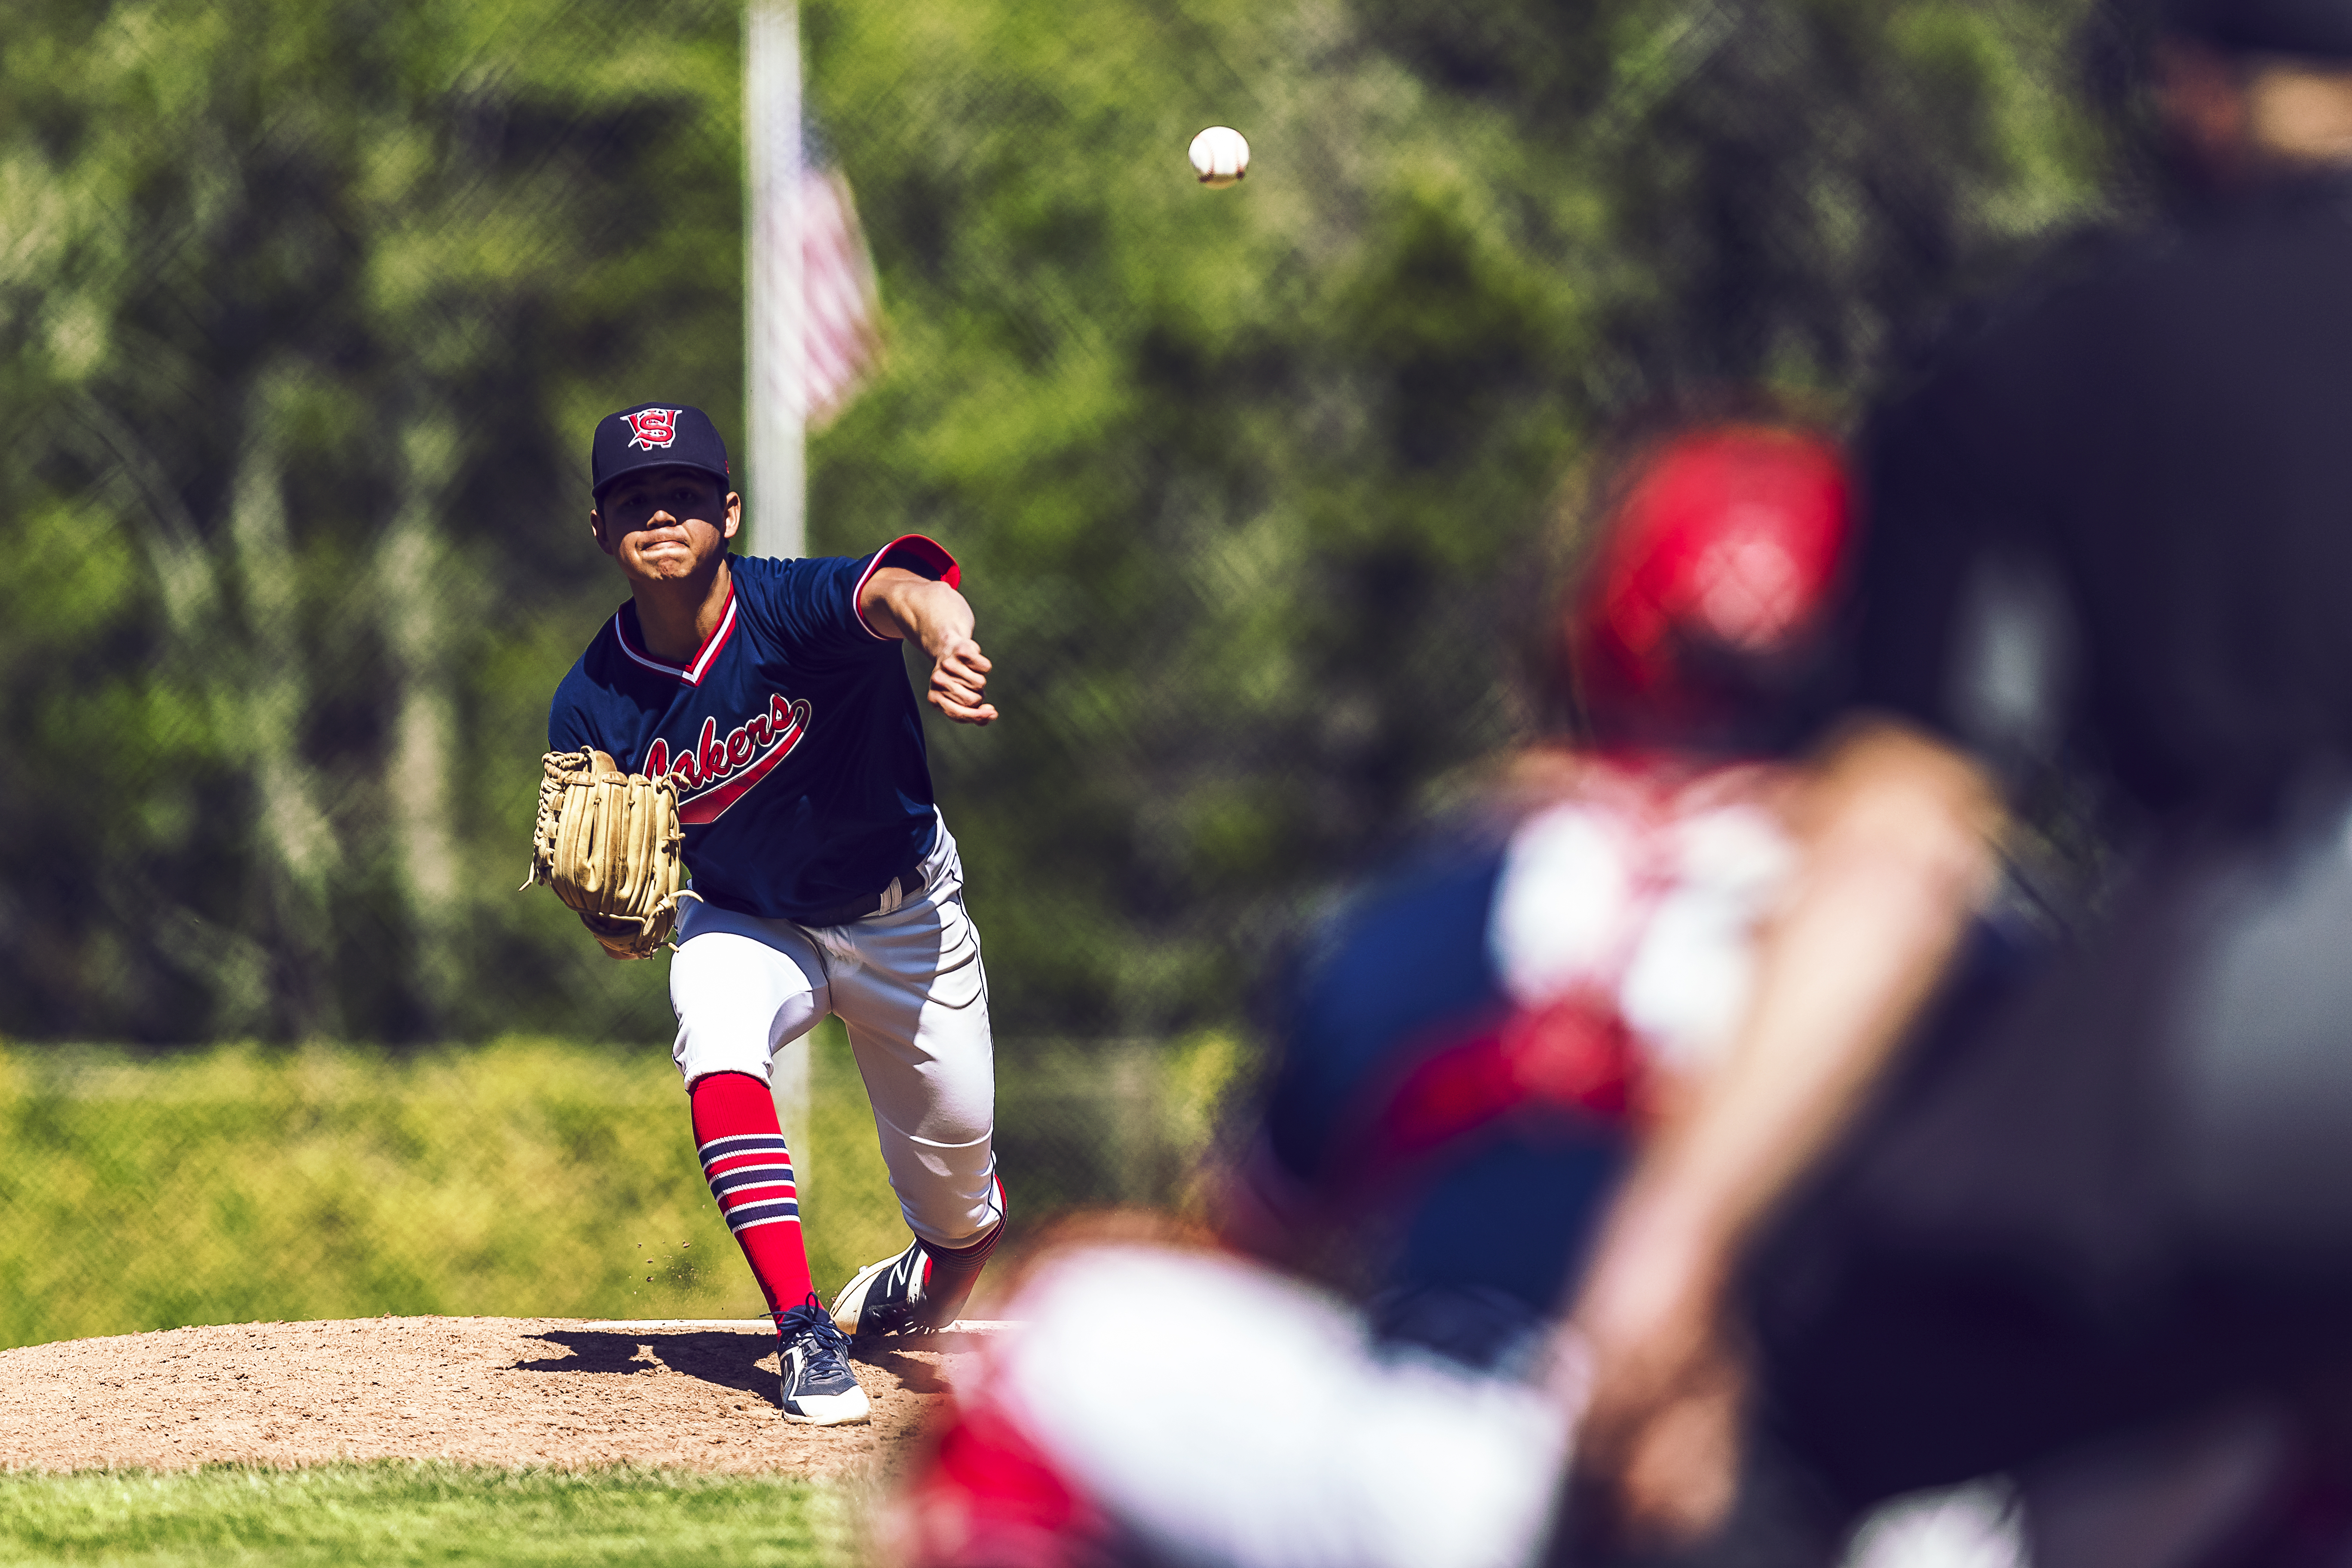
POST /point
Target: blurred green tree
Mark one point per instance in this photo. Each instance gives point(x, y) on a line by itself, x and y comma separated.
point(1256, 481)
point(306, 307)
point(302, 304)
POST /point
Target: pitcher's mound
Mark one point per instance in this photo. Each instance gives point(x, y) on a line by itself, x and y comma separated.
point(491, 1391)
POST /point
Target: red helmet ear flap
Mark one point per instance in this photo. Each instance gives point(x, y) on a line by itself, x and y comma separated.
point(1716, 570)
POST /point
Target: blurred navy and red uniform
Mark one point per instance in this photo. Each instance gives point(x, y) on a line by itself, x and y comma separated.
point(1475, 1053)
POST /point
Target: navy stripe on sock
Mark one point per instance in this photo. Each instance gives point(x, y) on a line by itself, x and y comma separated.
point(727, 1182)
point(753, 1197)
point(740, 1144)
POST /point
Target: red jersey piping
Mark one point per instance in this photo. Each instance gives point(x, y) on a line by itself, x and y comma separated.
point(931, 551)
point(687, 674)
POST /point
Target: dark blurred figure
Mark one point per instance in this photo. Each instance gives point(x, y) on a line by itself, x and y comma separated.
point(2107, 1245)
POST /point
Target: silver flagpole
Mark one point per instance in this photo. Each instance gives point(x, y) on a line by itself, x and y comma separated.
point(776, 397)
point(774, 394)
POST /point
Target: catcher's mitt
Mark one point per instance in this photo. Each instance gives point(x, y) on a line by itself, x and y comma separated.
point(609, 843)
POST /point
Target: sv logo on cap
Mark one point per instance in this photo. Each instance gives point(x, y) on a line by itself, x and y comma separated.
point(652, 427)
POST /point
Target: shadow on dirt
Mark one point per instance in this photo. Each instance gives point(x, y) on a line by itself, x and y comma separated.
point(728, 1360)
point(917, 1376)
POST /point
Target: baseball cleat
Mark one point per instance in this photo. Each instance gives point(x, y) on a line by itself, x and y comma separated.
point(888, 1298)
point(813, 1356)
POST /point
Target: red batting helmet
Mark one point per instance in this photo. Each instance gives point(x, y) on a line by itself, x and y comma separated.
point(1699, 617)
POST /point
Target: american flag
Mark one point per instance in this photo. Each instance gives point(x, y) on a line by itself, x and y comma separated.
point(841, 338)
point(809, 361)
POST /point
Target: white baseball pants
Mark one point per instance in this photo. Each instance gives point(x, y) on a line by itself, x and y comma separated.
point(1329, 1453)
point(908, 985)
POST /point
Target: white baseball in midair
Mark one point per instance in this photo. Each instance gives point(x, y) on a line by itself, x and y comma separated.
point(1219, 156)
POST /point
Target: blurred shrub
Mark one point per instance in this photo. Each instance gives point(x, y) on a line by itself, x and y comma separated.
point(527, 1178)
point(244, 1183)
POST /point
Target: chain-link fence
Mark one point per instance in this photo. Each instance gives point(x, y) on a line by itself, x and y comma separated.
point(308, 310)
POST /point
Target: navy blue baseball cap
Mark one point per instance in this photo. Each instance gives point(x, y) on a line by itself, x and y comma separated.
point(655, 435)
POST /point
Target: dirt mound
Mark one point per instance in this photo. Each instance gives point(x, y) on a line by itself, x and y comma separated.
point(494, 1391)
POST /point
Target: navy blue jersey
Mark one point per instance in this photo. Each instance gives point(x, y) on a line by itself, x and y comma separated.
point(794, 735)
point(1404, 972)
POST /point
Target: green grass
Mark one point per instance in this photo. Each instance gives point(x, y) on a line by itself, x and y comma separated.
point(360, 1516)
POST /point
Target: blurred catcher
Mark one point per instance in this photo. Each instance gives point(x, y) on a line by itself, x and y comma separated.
point(1490, 1029)
point(750, 722)
point(1482, 1041)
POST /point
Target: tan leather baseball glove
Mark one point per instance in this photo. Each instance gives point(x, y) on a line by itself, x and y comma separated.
point(610, 845)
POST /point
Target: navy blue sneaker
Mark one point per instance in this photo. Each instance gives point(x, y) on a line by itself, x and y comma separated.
point(888, 1297)
point(812, 1358)
point(920, 1290)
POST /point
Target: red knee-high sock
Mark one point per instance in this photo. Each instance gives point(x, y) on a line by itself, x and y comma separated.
point(750, 1173)
point(949, 1277)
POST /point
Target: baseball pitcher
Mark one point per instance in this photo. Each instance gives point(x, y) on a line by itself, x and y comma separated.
point(766, 704)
